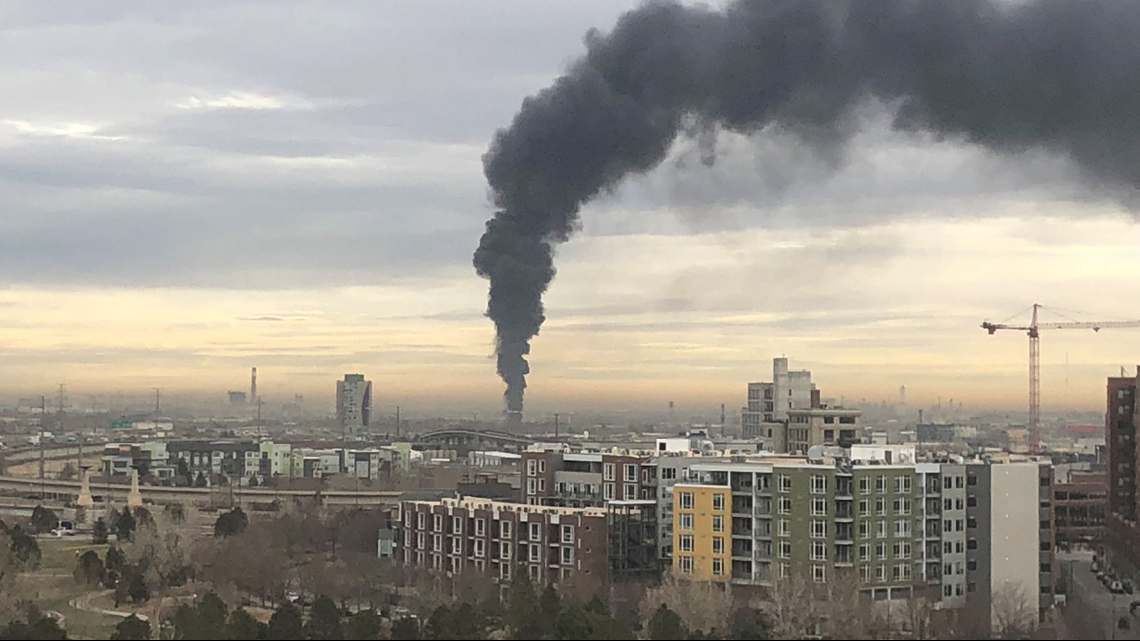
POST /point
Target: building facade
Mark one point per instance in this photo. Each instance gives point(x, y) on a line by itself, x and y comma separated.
point(559, 545)
point(582, 479)
point(1080, 503)
point(768, 403)
point(353, 403)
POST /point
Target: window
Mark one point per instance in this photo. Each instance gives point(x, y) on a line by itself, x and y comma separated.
point(948, 525)
point(785, 505)
point(718, 545)
point(480, 551)
point(865, 573)
point(972, 544)
point(784, 483)
point(818, 484)
point(947, 547)
point(686, 522)
point(881, 551)
point(407, 519)
point(668, 473)
point(971, 480)
point(784, 527)
point(505, 550)
point(686, 500)
point(718, 523)
point(505, 529)
point(542, 485)
point(881, 484)
point(864, 551)
point(819, 529)
point(608, 471)
point(480, 525)
point(818, 551)
point(421, 520)
point(902, 507)
point(819, 507)
point(630, 491)
point(881, 530)
point(718, 501)
point(718, 567)
point(902, 572)
point(819, 573)
point(686, 564)
point(902, 550)
point(608, 494)
point(685, 543)
point(864, 506)
point(785, 551)
point(567, 555)
point(902, 528)
point(456, 545)
point(535, 531)
point(420, 540)
point(948, 504)
point(881, 574)
point(947, 590)
point(437, 522)
point(881, 506)
point(567, 533)
point(530, 486)
point(902, 484)
point(864, 529)
point(456, 525)
point(630, 472)
point(531, 467)
point(436, 543)
point(542, 466)
point(957, 525)
point(785, 570)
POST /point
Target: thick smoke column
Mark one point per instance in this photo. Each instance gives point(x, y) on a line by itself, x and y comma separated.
point(1063, 77)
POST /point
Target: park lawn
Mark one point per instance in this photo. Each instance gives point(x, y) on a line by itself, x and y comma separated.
point(52, 587)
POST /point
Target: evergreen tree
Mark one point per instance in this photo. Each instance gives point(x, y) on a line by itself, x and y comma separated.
point(137, 588)
point(406, 629)
point(124, 526)
point(43, 520)
point(113, 567)
point(363, 625)
point(200, 480)
point(285, 624)
point(131, 628)
point(441, 625)
point(24, 546)
point(242, 626)
point(550, 604)
point(231, 523)
point(88, 568)
point(37, 627)
point(212, 617)
point(749, 623)
point(99, 531)
point(324, 620)
point(468, 622)
point(666, 625)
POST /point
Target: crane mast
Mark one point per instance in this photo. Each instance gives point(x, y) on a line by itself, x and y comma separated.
point(1033, 331)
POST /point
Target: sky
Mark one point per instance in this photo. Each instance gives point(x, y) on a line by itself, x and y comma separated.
point(188, 190)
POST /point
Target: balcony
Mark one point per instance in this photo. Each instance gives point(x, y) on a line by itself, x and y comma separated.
point(742, 505)
point(933, 530)
point(843, 533)
point(844, 556)
point(934, 551)
point(844, 511)
point(742, 548)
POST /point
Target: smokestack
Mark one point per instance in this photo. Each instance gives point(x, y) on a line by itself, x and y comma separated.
point(253, 386)
point(512, 420)
point(1057, 77)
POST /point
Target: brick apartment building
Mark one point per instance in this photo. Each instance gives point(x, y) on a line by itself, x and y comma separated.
point(1120, 432)
point(1079, 506)
point(560, 545)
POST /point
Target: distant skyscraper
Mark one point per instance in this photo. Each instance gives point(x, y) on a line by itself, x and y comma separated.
point(253, 386)
point(353, 403)
point(902, 394)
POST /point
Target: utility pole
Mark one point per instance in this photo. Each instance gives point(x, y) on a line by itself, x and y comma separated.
point(556, 425)
point(43, 417)
point(397, 422)
point(258, 419)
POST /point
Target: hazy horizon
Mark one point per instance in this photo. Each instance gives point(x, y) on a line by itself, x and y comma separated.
point(192, 192)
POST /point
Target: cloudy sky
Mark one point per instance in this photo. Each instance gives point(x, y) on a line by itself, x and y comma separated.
point(191, 189)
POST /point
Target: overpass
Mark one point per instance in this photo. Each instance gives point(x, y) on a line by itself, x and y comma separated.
point(468, 440)
point(69, 491)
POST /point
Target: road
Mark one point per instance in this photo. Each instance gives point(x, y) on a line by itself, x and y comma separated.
point(1110, 607)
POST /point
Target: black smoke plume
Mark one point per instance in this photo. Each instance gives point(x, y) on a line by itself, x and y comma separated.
point(1063, 77)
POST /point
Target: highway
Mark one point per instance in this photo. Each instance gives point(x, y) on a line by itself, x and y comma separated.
point(23, 486)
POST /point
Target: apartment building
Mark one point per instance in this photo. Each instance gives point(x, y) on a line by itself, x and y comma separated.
point(957, 532)
point(814, 426)
point(561, 545)
point(769, 402)
point(583, 479)
point(354, 403)
point(1120, 433)
point(1080, 502)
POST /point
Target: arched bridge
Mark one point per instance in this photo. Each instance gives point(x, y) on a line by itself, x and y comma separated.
point(468, 440)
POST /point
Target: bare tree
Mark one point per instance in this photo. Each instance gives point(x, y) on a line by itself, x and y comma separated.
point(836, 608)
point(1013, 610)
point(702, 605)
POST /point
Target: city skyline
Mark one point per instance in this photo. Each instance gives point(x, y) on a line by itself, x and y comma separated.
point(172, 224)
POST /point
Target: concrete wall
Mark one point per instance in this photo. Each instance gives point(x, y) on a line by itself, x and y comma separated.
point(1014, 535)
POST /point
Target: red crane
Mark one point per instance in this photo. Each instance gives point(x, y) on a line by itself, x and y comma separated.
point(1035, 360)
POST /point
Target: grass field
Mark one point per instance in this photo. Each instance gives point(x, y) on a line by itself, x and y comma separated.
point(52, 586)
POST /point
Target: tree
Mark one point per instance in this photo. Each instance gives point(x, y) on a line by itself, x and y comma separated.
point(363, 625)
point(88, 568)
point(253, 481)
point(233, 522)
point(176, 511)
point(43, 520)
point(666, 625)
point(406, 629)
point(114, 565)
point(550, 604)
point(748, 623)
point(702, 605)
point(124, 525)
point(441, 624)
point(137, 588)
point(38, 626)
point(200, 480)
point(212, 616)
point(25, 547)
point(99, 531)
point(68, 472)
point(324, 620)
point(243, 626)
point(131, 628)
point(1014, 611)
point(285, 624)
point(524, 618)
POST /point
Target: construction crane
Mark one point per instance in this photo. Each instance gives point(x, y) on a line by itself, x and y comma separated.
point(1033, 330)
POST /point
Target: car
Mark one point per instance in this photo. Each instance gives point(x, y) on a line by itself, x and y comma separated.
point(1116, 587)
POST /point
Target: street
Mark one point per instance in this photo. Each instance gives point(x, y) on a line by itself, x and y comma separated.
point(1109, 607)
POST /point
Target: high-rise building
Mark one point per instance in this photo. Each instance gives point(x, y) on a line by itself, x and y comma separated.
point(1121, 420)
point(769, 403)
point(353, 403)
